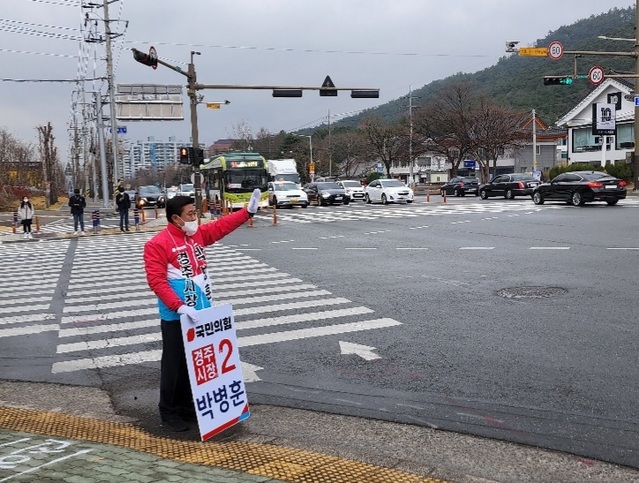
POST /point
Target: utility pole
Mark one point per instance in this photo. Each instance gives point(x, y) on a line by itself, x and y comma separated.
point(534, 133)
point(636, 124)
point(111, 86)
point(197, 185)
point(410, 136)
point(330, 150)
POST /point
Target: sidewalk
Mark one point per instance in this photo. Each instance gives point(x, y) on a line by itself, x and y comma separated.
point(53, 433)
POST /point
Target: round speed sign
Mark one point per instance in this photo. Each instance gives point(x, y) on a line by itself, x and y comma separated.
point(596, 75)
point(555, 50)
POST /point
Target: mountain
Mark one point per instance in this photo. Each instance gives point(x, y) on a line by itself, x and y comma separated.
point(517, 81)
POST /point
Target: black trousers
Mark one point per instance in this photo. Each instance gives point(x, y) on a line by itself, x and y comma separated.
point(175, 390)
point(26, 225)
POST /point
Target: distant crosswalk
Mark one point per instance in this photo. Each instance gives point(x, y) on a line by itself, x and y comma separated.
point(362, 212)
point(106, 316)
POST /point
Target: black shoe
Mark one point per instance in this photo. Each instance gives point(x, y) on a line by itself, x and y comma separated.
point(175, 423)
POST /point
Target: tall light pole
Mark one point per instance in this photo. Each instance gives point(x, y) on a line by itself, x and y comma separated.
point(111, 86)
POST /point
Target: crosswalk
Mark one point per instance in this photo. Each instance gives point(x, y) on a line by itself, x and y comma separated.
point(362, 212)
point(105, 315)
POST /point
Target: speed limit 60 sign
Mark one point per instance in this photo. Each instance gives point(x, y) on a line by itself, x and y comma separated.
point(596, 75)
point(555, 50)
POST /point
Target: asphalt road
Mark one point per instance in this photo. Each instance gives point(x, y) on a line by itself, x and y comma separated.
point(500, 319)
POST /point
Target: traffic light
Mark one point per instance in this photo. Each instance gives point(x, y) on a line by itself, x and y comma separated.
point(191, 155)
point(365, 94)
point(557, 80)
point(146, 59)
point(287, 92)
point(186, 155)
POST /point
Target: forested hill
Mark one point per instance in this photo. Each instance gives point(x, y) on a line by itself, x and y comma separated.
point(516, 81)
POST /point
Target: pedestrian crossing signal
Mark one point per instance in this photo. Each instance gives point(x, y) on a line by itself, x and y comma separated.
point(185, 155)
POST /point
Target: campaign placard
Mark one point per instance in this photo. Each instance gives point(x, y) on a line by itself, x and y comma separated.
point(215, 370)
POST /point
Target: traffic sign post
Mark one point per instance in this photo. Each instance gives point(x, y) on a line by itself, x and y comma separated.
point(555, 50)
point(596, 75)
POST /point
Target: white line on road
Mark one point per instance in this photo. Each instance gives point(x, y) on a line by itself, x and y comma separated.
point(360, 248)
point(23, 308)
point(262, 339)
point(550, 248)
point(303, 248)
point(31, 329)
point(620, 248)
point(411, 248)
point(476, 248)
point(19, 319)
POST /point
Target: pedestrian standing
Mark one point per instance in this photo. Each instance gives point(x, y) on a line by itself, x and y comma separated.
point(77, 204)
point(176, 270)
point(25, 214)
point(123, 202)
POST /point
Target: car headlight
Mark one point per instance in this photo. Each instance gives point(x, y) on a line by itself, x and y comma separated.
point(326, 195)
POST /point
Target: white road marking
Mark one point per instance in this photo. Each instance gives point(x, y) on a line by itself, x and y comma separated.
point(620, 248)
point(411, 248)
point(23, 308)
point(476, 248)
point(30, 329)
point(550, 248)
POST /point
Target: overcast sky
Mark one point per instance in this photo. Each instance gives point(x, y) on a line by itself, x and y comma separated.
point(383, 44)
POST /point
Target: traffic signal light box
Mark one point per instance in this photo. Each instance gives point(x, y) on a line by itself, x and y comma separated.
point(189, 155)
point(557, 80)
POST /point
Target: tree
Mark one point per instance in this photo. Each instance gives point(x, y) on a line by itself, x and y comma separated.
point(445, 123)
point(494, 130)
point(349, 149)
point(51, 169)
point(387, 142)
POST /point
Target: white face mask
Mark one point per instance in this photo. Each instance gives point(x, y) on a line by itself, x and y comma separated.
point(26, 200)
point(190, 227)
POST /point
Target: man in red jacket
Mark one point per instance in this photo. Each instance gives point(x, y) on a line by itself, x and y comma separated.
point(176, 271)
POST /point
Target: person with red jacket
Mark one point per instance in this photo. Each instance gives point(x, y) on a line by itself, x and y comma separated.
point(176, 270)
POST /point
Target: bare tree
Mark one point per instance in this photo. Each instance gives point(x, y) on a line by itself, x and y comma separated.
point(387, 142)
point(243, 136)
point(494, 130)
point(445, 124)
point(349, 149)
point(50, 165)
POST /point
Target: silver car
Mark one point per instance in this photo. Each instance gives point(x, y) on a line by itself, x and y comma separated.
point(353, 188)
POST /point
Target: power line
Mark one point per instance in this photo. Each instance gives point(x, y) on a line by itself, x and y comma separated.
point(12, 51)
point(5, 79)
point(291, 49)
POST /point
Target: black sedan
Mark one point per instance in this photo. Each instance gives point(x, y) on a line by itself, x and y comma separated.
point(509, 186)
point(149, 196)
point(460, 186)
point(326, 193)
point(579, 187)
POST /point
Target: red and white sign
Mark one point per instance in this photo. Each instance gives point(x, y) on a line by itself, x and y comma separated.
point(215, 370)
point(555, 50)
point(596, 75)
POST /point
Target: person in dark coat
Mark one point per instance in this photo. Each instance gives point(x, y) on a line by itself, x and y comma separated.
point(77, 204)
point(123, 202)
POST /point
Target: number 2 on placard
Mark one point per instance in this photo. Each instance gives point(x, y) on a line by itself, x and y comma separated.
point(226, 344)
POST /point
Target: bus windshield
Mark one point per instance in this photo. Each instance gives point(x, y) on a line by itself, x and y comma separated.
point(241, 180)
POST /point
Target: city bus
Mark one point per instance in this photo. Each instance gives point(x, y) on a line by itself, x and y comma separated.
point(232, 177)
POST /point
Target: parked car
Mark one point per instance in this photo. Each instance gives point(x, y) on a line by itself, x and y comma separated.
point(326, 193)
point(186, 190)
point(509, 186)
point(286, 193)
point(354, 189)
point(579, 187)
point(388, 191)
point(460, 186)
point(150, 195)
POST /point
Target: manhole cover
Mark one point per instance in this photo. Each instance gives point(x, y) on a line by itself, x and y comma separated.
point(530, 292)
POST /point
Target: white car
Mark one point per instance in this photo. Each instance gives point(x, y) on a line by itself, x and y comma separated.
point(186, 190)
point(388, 191)
point(286, 193)
point(354, 189)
